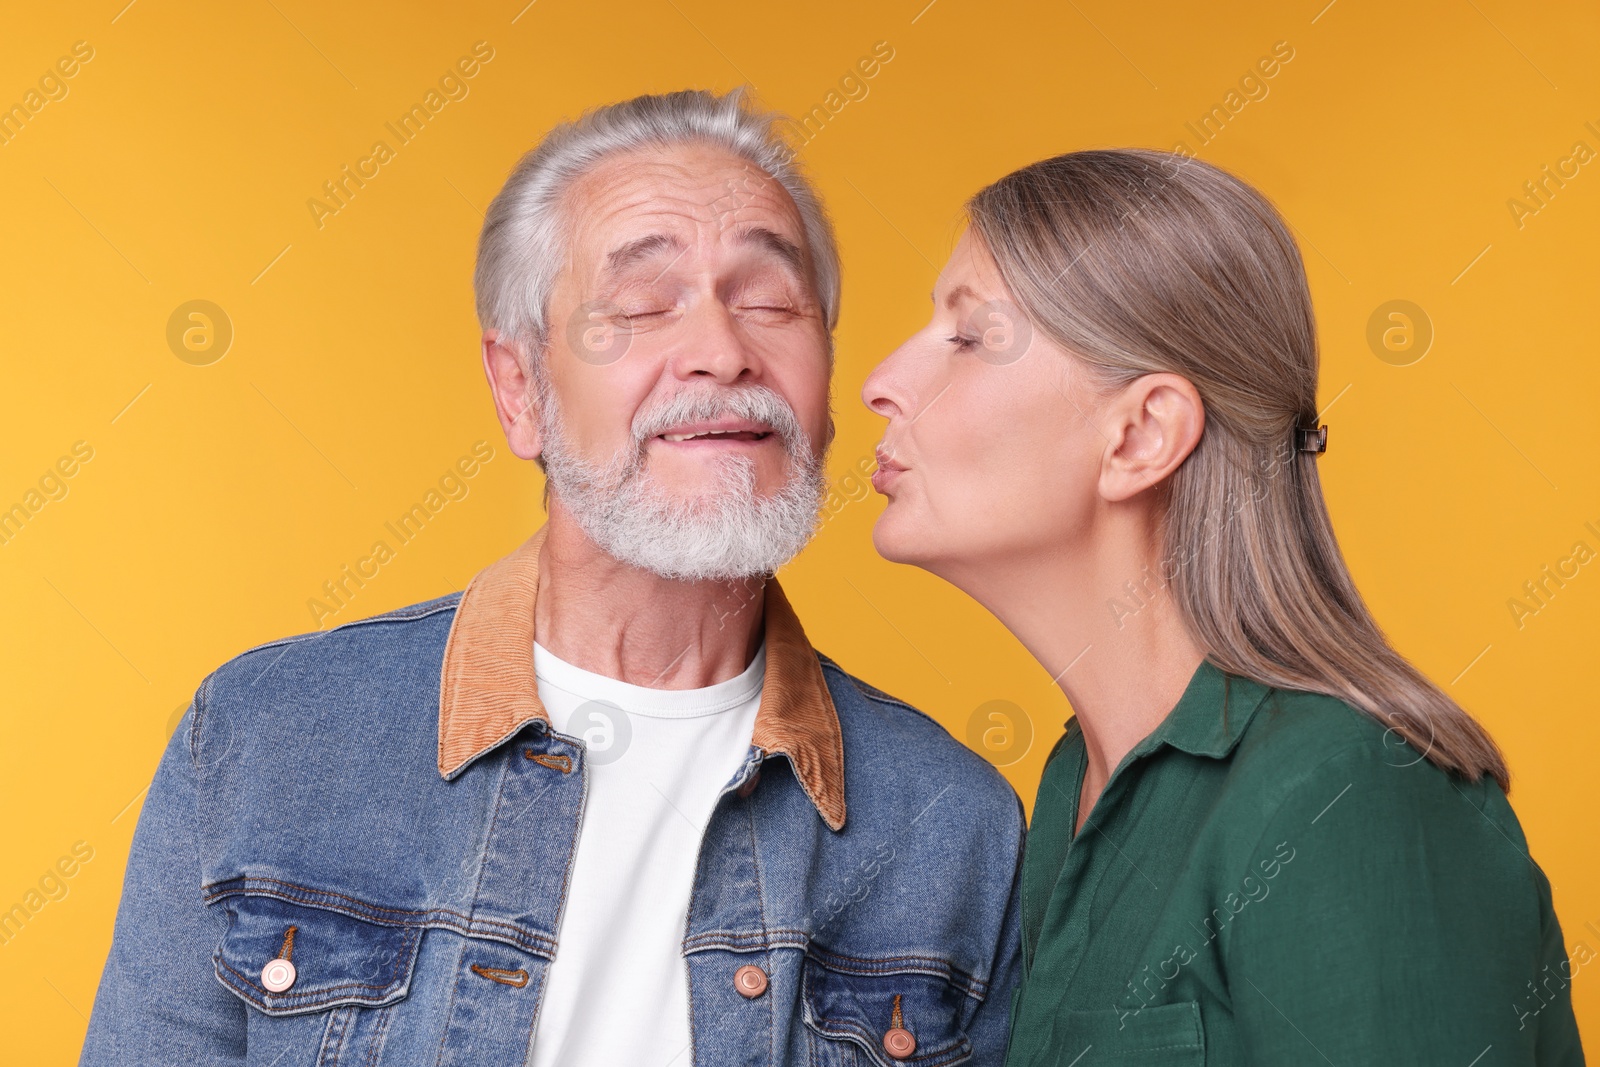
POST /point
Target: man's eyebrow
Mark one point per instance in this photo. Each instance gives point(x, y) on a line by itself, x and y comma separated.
point(626, 255)
point(775, 243)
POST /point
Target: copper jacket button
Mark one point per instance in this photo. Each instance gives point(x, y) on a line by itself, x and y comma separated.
point(899, 1043)
point(750, 785)
point(750, 980)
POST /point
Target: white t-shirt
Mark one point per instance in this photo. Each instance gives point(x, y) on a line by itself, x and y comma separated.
point(618, 990)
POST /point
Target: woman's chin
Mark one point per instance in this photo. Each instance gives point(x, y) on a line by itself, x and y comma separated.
point(899, 540)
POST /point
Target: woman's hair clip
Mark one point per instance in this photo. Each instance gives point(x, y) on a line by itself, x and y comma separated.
point(1314, 439)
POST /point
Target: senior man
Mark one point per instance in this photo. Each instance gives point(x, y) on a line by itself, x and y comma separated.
point(606, 807)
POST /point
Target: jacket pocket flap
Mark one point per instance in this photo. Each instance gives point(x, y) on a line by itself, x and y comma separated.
point(859, 1005)
point(335, 958)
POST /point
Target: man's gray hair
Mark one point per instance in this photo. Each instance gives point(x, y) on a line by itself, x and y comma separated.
point(523, 246)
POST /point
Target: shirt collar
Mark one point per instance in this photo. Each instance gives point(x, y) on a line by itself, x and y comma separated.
point(487, 688)
point(1210, 716)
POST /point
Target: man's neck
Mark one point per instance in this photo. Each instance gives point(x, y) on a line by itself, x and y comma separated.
point(627, 623)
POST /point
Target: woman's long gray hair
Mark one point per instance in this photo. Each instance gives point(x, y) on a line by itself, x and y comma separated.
point(1140, 261)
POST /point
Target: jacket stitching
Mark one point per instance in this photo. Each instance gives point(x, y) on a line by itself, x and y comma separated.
point(844, 1029)
point(533, 1019)
point(405, 614)
point(488, 837)
point(767, 940)
point(410, 613)
point(450, 1009)
point(298, 999)
point(875, 694)
point(761, 902)
point(828, 957)
point(467, 923)
point(974, 987)
point(201, 696)
point(955, 1053)
point(402, 962)
point(934, 966)
point(777, 938)
point(566, 874)
point(332, 1038)
point(380, 1037)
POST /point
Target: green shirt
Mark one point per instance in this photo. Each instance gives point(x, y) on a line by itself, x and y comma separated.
point(1272, 877)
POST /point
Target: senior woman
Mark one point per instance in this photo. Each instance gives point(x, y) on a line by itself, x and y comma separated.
point(1265, 837)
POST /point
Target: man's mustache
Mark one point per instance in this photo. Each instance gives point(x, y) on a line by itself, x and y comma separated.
point(756, 403)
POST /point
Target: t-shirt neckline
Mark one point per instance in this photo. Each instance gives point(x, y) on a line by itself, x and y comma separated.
point(734, 692)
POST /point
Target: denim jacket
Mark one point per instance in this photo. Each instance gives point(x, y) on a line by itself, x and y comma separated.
point(385, 805)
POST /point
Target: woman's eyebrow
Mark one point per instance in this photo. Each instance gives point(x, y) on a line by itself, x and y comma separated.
point(955, 296)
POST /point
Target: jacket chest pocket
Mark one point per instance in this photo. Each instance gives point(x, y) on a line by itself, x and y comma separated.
point(315, 978)
point(863, 1013)
point(1159, 1035)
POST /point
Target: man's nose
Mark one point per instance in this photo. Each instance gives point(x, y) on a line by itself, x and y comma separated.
point(714, 346)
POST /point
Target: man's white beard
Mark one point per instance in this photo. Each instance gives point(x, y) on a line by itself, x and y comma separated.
point(726, 533)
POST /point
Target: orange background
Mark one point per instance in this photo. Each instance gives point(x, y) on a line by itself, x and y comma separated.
point(222, 492)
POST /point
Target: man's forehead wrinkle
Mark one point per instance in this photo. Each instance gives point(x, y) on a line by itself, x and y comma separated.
point(648, 210)
point(637, 208)
point(712, 204)
point(699, 187)
point(699, 182)
point(624, 239)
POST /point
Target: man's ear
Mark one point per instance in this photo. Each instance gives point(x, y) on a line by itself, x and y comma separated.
point(1151, 426)
point(507, 364)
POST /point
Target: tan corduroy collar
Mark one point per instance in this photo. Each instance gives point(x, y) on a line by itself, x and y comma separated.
point(487, 689)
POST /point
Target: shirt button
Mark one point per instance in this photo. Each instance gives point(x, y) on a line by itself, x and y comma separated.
point(277, 975)
point(750, 980)
point(899, 1043)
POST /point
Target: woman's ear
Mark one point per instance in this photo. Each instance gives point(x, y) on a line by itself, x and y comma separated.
point(1151, 426)
point(506, 363)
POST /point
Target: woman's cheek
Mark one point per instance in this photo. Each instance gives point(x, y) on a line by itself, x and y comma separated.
point(965, 466)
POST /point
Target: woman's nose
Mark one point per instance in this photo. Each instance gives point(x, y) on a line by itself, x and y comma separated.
point(878, 392)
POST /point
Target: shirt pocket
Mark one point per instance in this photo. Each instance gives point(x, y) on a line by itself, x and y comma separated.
point(1160, 1035)
point(350, 970)
point(849, 1007)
